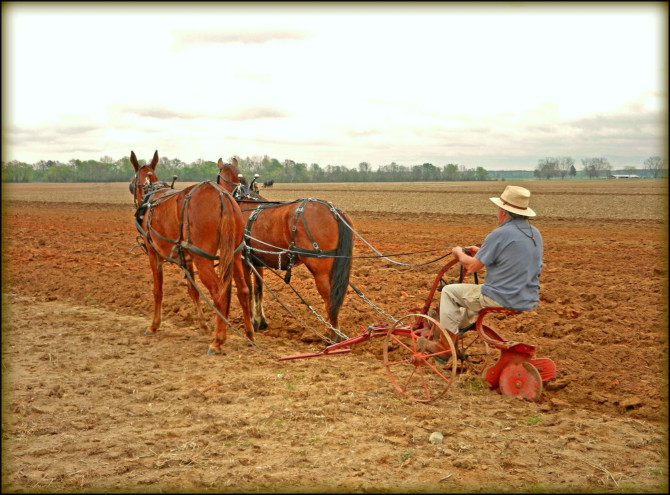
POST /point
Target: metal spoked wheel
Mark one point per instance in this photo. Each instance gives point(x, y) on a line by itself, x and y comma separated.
point(417, 374)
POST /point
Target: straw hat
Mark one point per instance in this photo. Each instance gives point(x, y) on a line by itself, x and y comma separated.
point(515, 199)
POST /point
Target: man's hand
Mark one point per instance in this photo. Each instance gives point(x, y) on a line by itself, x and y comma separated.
point(470, 263)
point(472, 249)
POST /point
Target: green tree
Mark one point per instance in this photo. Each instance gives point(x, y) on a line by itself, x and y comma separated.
point(467, 173)
point(317, 172)
point(364, 171)
point(482, 174)
point(16, 171)
point(300, 173)
point(60, 173)
point(450, 172)
point(123, 170)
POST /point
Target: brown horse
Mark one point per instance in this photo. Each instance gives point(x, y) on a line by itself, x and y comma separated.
point(188, 228)
point(283, 235)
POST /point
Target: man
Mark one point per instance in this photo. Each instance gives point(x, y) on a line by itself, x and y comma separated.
point(512, 255)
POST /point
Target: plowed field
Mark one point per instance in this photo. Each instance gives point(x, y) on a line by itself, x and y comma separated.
point(91, 404)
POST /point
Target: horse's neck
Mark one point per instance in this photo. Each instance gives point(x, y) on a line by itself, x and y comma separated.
point(228, 183)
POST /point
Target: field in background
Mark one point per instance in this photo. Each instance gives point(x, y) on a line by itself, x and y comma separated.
point(615, 199)
point(91, 404)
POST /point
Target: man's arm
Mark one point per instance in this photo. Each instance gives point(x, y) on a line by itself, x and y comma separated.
point(470, 263)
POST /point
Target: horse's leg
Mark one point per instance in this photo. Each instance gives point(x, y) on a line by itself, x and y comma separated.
point(258, 299)
point(195, 296)
point(241, 276)
point(157, 272)
point(220, 292)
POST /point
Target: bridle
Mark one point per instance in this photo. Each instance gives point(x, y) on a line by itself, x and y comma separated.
point(134, 184)
point(221, 177)
point(240, 190)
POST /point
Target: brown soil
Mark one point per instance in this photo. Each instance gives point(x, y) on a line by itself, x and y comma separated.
point(92, 404)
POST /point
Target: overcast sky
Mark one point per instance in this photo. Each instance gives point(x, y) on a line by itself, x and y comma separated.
point(496, 85)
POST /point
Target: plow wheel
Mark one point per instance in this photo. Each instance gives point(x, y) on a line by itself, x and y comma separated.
point(474, 354)
point(419, 375)
point(521, 379)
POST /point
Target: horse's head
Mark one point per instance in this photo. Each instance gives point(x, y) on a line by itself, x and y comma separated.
point(229, 175)
point(144, 176)
point(235, 183)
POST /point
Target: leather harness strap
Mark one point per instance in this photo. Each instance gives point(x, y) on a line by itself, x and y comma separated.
point(149, 204)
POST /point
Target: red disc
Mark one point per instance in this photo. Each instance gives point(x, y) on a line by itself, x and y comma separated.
point(521, 380)
point(545, 366)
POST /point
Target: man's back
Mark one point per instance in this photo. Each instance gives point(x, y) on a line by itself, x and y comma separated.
point(512, 254)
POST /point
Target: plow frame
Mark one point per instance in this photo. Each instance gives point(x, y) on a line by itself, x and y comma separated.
point(515, 373)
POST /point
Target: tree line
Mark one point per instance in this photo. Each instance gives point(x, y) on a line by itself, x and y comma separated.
point(564, 166)
point(109, 170)
point(106, 169)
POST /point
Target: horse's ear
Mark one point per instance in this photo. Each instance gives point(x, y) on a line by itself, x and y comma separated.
point(220, 164)
point(133, 161)
point(154, 162)
point(234, 162)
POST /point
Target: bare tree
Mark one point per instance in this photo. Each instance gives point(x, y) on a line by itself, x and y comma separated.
point(603, 166)
point(565, 163)
point(547, 168)
point(655, 164)
point(594, 167)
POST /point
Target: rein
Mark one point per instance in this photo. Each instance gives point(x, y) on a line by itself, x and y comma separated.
point(292, 251)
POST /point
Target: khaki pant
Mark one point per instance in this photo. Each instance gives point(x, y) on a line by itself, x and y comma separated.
point(460, 305)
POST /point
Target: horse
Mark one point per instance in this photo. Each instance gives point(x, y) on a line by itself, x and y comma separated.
point(188, 228)
point(268, 183)
point(281, 235)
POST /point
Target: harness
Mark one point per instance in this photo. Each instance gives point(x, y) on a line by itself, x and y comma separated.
point(150, 203)
point(292, 251)
point(241, 190)
point(244, 194)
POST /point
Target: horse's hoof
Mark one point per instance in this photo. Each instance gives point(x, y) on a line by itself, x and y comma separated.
point(147, 332)
point(263, 325)
point(211, 351)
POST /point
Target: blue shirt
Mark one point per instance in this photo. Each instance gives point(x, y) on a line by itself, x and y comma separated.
point(513, 264)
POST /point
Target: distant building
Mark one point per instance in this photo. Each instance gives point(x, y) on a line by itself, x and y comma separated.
point(624, 176)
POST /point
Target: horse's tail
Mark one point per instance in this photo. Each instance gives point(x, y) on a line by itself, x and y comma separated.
point(341, 267)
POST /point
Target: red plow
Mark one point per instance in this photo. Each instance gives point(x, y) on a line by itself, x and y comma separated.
point(507, 366)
